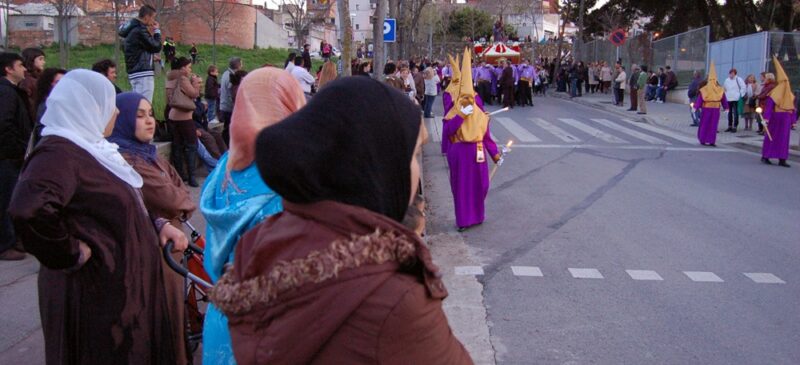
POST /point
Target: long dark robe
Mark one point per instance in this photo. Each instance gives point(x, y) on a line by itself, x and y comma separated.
point(113, 310)
point(507, 86)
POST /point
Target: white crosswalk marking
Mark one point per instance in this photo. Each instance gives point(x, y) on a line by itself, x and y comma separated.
point(469, 270)
point(764, 278)
point(527, 271)
point(703, 276)
point(558, 132)
point(644, 275)
point(633, 133)
point(585, 273)
point(663, 132)
point(517, 130)
point(592, 130)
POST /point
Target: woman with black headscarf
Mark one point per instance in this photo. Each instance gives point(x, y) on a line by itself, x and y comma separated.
point(336, 278)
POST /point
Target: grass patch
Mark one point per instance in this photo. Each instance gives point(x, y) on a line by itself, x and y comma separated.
point(84, 57)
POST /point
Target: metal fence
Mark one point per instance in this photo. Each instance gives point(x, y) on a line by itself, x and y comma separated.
point(785, 46)
point(684, 53)
point(746, 54)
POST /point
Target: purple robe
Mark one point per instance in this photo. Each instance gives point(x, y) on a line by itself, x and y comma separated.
point(496, 73)
point(469, 180)
point(709, 120)
point(780, 127)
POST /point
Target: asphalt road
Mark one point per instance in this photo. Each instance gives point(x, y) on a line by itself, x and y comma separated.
point(609, 242)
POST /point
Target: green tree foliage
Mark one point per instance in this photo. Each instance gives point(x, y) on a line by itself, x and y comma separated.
point(468, 22)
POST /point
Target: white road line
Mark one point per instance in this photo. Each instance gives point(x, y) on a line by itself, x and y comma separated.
point(764, 278)
point(592, 131)
point(585, 273)
point(615, 147)
point(469, 270)
point(644, 275)
point(558, 132)
point(663, 132)
point(517, 130)
point(703, 276)
point(633, 133)
point(526, 271)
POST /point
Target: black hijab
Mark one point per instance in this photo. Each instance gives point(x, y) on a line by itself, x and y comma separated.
point(352, 143)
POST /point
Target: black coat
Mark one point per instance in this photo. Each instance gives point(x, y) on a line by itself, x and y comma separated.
point(139, 47)
point(306, 60)
point(15, 121)
point(507, 78)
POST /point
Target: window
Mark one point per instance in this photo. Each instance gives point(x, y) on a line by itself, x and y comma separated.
point(357, 26)
point(30, 25)
point(357, 7)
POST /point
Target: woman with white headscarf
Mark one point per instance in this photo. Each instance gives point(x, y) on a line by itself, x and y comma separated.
point(78, 209)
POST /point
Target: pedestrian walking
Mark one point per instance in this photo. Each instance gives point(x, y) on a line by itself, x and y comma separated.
point(108, 68)
point(779, 112)
point(378, 273)
point(633, 86)
point(183, 87)
point(226, 97)
point(734, 92)
point(163, 193)
point(640, 90)
point(78, 209)
point(467, 127)
point(692, 93)
point(193, 53)
point(16, 126)
point(750, 102)
point(142, 40)
point(619, 85)
point(211, 93)
point(431, 90)
point(711, 99)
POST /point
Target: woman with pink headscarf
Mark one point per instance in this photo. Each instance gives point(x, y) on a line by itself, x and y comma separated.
point(234, 197)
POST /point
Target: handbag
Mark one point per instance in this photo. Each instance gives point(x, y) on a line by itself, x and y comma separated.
point(179, 100)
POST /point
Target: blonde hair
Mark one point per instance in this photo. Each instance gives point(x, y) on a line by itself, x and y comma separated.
point(429, 73)
point(769, 76)
point(328, 73)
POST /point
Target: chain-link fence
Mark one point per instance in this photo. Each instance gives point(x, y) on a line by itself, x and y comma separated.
point(785, 46)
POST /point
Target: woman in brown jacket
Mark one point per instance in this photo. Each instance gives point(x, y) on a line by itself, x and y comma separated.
point(163, 191)
point(184, 134)
point(335, 278)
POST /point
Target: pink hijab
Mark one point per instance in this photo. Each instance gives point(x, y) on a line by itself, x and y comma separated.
point(265, 97)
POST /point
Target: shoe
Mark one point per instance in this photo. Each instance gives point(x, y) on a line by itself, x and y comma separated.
point(766, 161)
point(12, 255)
point(733, 130)
point(631, 110)
point(712, 144)
point(462, 229)
point(694, 125)
point(641, 113)
point(783, 163)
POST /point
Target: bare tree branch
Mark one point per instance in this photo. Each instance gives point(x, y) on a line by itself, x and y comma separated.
point(215, 14)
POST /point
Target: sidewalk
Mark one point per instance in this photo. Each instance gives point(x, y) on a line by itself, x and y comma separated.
point(676, 117)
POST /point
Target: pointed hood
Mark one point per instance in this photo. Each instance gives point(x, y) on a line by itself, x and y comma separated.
point(712, 92)
point(782, 93)
point(466, 75)
point(455, 81)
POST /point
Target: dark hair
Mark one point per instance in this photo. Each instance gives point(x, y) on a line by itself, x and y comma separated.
point(146, 10)
point(45, 83)
point(644, 68)
point(211, 68)
point(235, 63)
point(669, 68)
point(389, 69)
point(29, 55)
point(298, 61)
point(180, 62)
point(7, 59)
point(103, 66)
point(734, 71)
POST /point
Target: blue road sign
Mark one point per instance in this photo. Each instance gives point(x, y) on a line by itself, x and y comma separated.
point(389, 30)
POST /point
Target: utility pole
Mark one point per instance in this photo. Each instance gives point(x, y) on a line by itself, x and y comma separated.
point(378, 55)
point(345, 36)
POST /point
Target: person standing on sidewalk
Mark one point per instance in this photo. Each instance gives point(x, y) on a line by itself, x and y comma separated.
point(226, 97)
point(142, 39)
point(34, 62)
point(605, 76)
point(633, 84)
point(734, 91)
point(16, 126)
point(211, 93)
point(431, 90)
point(640, 90)
point(619, 85)
point(711, 98)
point(780, 112)
point(694, 91)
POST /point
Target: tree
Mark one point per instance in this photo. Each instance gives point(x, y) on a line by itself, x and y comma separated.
point(378, 58)
point(6, 6)
point(302, 19)
point(214, 13)
point(65, 12)
point(468, 22)
point(346, 38)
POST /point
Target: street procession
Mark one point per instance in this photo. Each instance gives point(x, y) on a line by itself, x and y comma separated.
point(400, 182)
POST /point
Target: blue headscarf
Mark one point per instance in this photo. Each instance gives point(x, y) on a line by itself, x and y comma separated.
point(124, 134)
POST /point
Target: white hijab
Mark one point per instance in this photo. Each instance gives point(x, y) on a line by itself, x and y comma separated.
point(78, 109)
